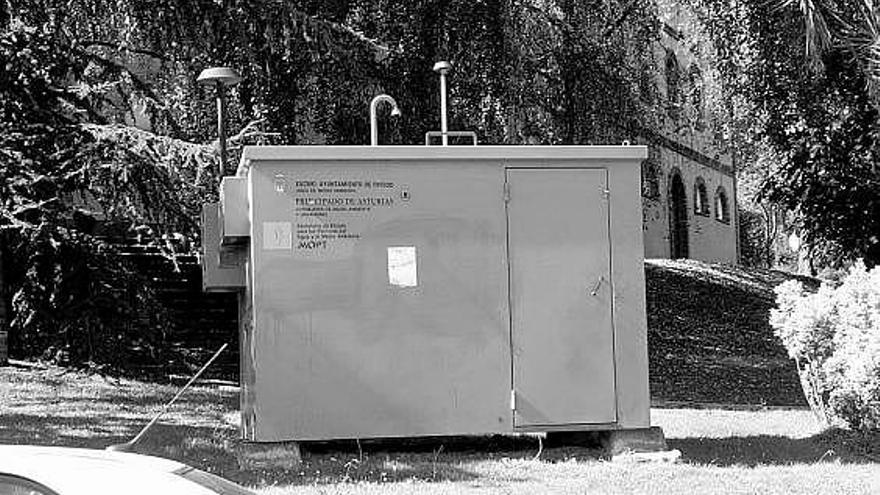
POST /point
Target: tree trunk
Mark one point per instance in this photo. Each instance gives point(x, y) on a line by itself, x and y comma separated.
point(569, 77)
point(4, 336)
point(512, 85)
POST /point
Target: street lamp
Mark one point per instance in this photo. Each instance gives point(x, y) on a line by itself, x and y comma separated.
point(220, 78)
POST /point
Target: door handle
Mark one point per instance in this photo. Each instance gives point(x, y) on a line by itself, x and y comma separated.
point(598, 285)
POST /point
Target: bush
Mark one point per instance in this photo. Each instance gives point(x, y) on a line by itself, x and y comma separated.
point(76, 302)
point(834, 337)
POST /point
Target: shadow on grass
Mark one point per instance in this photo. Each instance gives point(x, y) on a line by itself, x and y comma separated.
point(214, 449)
point(86, 432)
point(831, 445)
point(428, 459)
point(138, 399)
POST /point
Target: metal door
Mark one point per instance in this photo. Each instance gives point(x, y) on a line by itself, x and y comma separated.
point(561, 336)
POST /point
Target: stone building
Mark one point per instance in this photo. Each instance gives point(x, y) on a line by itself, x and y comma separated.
point(688, 180)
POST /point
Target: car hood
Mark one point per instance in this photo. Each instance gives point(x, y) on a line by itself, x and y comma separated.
point(72, 471)
point(87, 456)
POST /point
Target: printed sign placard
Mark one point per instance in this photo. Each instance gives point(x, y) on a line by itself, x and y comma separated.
point(402, 266)
point(277, 236)
point(327, 212)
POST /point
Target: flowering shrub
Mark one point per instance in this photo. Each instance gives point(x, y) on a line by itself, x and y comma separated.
point(834, 337)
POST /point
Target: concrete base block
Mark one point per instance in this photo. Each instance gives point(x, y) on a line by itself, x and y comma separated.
point(642, 440)
point(269, 455)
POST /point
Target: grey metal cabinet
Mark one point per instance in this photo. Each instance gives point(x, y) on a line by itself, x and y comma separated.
point(405, 291)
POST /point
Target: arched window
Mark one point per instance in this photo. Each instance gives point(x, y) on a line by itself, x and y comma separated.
point(673, 78)
point(695, 87)
point(650, 179)
point(722, 208)
point(701, 198)
point(678, 216)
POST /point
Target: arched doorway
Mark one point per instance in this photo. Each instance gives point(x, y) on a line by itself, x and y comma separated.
point(678, 217)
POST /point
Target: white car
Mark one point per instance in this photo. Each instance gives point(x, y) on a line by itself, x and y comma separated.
point(33, 470)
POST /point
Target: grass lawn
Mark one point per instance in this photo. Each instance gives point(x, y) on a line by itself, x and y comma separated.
point(709, 339)
point(723, 451)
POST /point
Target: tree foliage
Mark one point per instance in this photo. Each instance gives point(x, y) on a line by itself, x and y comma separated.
point(829, 174)
point(564, 71)
point(65, 177)
point(805, 133)
point(822, 127)
point(104, 125)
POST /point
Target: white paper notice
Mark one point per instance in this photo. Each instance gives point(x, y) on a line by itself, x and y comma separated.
point(277, 235)
point(402, 266)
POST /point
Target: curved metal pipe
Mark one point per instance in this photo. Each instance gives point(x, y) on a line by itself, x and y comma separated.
point(374, 123)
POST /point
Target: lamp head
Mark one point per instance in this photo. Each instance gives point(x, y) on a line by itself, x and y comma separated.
point(223, 76)
point(395, 112)
point(442, 67)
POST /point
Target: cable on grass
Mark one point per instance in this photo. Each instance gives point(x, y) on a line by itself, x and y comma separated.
point(540, 448)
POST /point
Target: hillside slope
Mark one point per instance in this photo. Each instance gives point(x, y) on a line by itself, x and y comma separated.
point(709, 339)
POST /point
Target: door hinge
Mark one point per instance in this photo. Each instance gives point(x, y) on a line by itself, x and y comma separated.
point(507, 192)
point(513, 400)
point(606, 193)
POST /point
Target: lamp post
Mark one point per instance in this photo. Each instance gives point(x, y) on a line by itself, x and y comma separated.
point(443, 67)
point(220, 78)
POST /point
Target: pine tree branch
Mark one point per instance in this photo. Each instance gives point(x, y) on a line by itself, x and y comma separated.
point(139, 84)
point(114, 46)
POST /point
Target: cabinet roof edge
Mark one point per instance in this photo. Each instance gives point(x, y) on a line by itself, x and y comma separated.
point(361, 153)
